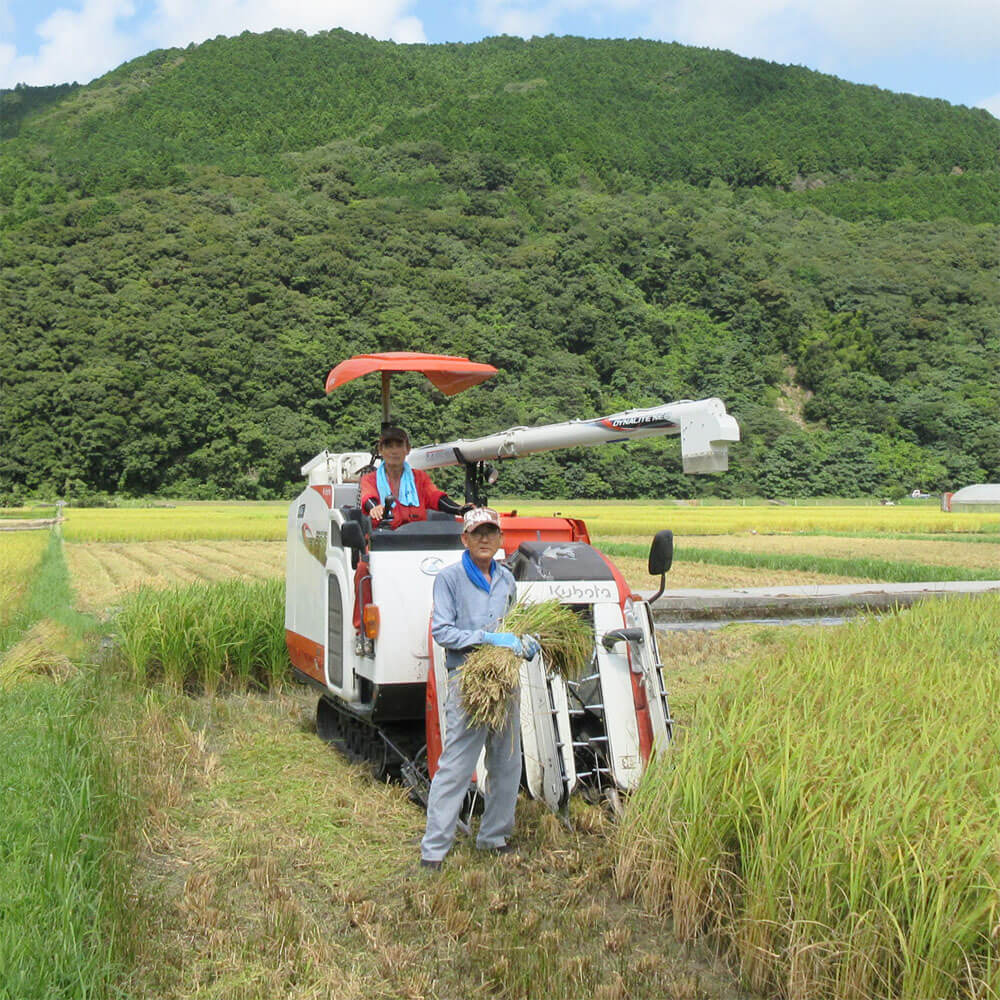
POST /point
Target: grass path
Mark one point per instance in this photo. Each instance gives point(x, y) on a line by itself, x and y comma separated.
point(67, 804)
point(275, 869)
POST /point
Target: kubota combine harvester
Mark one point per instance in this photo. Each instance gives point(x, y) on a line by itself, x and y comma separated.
point(381, 699)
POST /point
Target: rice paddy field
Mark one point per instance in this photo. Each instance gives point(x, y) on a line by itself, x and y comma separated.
point(183, 522)
point(823, 827)
point(831, 812)
point(106, 572)
point(615, 518)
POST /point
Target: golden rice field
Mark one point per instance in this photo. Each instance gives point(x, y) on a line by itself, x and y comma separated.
point(696, 576)
point(103, 573)
point(266, 521)
point(184, 522)
point(648, 518)
point(20, 552)
point(115, 551)
point(227, 893)
point(830, 815)
point(985, 555)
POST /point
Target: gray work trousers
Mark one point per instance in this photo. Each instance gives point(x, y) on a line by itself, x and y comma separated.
point(462, 745)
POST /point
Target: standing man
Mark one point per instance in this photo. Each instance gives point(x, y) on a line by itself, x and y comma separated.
point(470, 598)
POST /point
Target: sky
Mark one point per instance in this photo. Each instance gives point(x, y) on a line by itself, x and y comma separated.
point(924, 47)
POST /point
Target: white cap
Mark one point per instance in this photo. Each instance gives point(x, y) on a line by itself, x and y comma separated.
point(479, 516)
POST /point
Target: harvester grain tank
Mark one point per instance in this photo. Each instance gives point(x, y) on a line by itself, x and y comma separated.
point(381, 692)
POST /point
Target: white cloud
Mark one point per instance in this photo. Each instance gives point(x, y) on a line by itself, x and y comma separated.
point(503, 17)
point(856, 29)
point(991, 104)
point(80, 44)
point(526, 17)
point(827, 34)
point(178, 22)
point(76, 45)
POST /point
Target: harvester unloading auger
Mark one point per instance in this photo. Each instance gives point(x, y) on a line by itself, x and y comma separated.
point(382, 692)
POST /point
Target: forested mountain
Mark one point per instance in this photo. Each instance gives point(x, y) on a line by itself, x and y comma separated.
point(189, 243)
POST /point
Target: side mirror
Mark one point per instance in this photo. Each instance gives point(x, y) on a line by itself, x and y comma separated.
point(661, 552)
point(352, 535)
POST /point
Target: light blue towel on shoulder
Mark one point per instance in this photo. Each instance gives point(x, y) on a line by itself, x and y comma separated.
point(408, 496)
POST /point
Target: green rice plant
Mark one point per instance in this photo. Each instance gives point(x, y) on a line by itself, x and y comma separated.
point(63, 858)
point(206, 635)
point(865, 569)
point(831, 812)
point(490, 673)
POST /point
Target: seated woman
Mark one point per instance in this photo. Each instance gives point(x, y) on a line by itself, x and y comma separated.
point(411, 490)
point(412, 494)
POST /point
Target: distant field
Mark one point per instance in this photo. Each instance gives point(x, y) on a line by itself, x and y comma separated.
point(648, 518)
point(267, 521)
point(113, 552)
point(685, 575)
point(257, 521)
point(944, 553)
point(103, 573)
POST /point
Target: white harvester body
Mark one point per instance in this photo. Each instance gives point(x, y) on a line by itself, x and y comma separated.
point(381, 674)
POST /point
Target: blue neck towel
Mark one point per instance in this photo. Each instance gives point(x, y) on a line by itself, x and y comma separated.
point(407, 486)
point(475, 574)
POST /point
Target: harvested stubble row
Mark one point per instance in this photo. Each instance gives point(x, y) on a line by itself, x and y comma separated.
point(491, 673)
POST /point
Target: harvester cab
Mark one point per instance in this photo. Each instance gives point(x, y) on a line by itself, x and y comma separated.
point(382, 684)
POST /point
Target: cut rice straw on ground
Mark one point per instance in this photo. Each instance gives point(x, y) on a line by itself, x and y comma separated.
point(491, 673)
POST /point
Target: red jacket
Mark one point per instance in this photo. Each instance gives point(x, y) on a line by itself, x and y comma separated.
point(427, 493)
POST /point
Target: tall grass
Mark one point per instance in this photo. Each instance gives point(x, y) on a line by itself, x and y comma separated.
point(832, 812)
point(206, 635)
point(66, 808)
point(888, 571)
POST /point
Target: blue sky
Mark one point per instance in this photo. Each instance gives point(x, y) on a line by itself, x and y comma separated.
point(925, 47)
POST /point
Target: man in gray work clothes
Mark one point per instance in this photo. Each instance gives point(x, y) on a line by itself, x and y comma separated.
point(470, 599)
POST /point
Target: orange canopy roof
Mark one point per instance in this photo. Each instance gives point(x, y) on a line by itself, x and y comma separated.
point(449, 374)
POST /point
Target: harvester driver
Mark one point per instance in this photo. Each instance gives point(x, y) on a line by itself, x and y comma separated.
point(411, 491)
point(408, 493)
point(470, 598)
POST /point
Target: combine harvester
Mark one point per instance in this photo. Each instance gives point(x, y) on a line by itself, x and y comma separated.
point(381, 699)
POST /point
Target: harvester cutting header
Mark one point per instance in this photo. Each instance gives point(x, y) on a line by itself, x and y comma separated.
point(383, 686)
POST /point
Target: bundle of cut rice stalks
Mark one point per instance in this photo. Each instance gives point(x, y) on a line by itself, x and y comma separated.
point(46, 650)
point(491, 673)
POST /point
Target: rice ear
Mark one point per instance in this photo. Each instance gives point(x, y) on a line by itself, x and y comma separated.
point(491, 674)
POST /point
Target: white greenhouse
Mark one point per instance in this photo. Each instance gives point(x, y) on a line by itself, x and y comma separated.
point(984, 497)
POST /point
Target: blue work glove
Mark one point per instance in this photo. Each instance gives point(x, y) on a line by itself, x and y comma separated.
point(531, 647)
point(506, 639)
